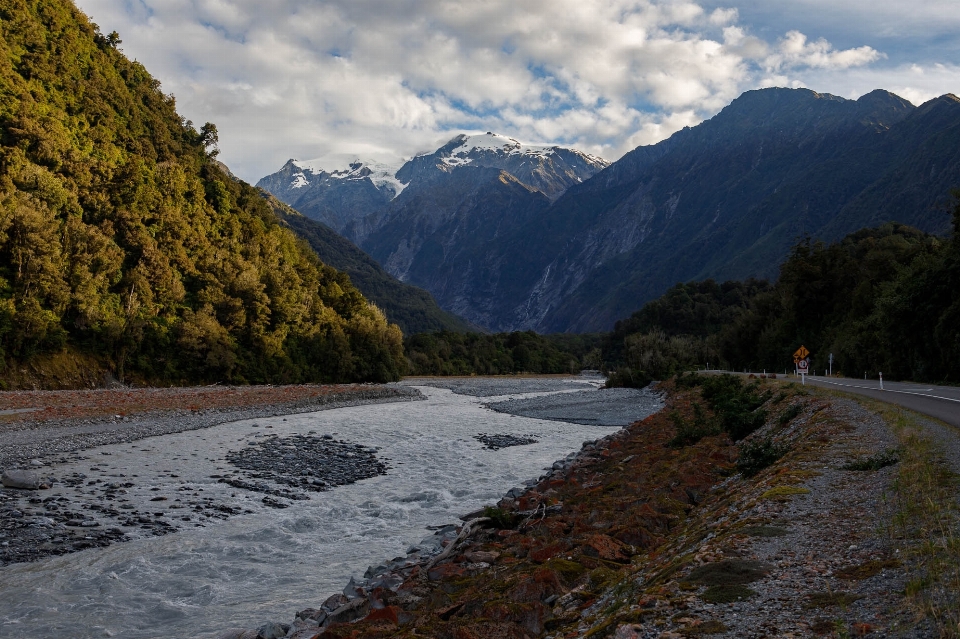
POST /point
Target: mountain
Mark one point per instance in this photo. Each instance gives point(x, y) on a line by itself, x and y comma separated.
point(353, 196)
point(411, 308)
point(531, 238)
point(335, 196)
point(125, 246)
point(728, 198)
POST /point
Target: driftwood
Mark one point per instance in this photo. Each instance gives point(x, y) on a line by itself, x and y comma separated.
point(464, 533)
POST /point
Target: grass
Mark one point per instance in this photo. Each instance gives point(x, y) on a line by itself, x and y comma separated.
point(925, 522)
point(882, 459)
point(829, 599)
point(729, 572)
point(765, 531)
point(783, 493)
point(727, 594)
point(867, 569)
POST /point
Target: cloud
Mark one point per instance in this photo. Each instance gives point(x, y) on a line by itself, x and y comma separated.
point(795, 51)
point(308, 78)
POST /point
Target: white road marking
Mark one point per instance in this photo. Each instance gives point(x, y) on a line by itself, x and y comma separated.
point(948, 399)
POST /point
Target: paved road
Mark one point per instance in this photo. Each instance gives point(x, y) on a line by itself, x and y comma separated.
point(941, 402)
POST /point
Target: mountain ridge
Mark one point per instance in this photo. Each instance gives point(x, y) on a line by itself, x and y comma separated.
point(724, 199)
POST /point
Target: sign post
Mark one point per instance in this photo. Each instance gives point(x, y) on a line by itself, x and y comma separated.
point(802, 362)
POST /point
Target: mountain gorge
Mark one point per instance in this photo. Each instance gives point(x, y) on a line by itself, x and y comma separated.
point(569, 243)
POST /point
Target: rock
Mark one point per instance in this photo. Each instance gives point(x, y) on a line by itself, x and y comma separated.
point(304, 629)
point(629, 631)
point(23, 479)
point(334, 602)
point(356, 609)
point(272, 630)
point(481, 556)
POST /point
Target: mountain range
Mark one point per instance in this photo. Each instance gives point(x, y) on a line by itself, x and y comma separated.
point(515, 237)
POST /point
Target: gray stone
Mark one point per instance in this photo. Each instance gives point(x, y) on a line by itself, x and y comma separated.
point(356, 609)
point(272, 630)
point(23, 479)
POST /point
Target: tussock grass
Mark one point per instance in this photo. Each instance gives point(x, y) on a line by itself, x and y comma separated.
point(925, 522)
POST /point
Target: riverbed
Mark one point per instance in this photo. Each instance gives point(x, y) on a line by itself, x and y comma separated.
point(265, 562)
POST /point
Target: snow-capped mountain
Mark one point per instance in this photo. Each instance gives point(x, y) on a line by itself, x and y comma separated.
point(335, 190)
point(347, 193)
point(549, 169)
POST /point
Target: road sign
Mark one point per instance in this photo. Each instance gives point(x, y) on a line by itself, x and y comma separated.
point(801, 353)
point(802, 366)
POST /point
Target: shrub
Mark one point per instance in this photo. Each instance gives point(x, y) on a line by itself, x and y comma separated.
point(628, 378)
point(687, 380)
point(690, 432)
point(757, 455)
point(882, 459)
point(789, 413)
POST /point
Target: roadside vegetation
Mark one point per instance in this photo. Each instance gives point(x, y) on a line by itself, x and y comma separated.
point(925, 521)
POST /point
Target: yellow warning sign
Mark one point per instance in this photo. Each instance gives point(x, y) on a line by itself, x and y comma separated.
point(801, 353)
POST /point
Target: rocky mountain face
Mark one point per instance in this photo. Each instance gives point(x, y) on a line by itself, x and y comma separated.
point(515, 238)
point(335, 197)
point(729, 198)
point(356, 199)
point(411, 308)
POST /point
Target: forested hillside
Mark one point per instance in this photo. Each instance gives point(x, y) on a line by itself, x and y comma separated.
point(882, 299)
point(123, 245)
point(446, 353)
point(411, 308)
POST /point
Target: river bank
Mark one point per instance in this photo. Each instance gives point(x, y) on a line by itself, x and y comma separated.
point(642, 535)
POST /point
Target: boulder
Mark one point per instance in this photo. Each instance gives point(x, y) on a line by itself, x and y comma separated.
point(356, 609)
point(481, 556)
point(272, 630)
point(23, 479)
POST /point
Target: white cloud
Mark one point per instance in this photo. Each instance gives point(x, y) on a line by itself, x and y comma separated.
point(308, 78)
point(796, 51)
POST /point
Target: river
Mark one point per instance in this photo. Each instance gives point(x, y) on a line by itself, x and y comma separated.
point(270, 563)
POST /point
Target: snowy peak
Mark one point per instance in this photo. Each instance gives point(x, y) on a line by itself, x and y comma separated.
point(463, 149)
point(304, 173)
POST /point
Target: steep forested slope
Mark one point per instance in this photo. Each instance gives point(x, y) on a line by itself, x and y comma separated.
point(122, 242)
point(411, 308)
point(880, 299)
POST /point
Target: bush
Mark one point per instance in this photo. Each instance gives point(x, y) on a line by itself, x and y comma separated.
point(628, 378)
point(882, 459)
point(736, 404)
point(687, 380)
point(757, 455)
point(690, 432)
point(789, 414)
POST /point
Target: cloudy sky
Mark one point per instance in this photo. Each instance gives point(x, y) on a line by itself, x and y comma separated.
point(390, 78)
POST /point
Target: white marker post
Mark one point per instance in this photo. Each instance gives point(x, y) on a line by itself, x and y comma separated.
point(831, 364)
point(881, 381)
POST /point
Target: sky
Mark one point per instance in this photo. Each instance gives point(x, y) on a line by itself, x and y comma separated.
point(389, 79)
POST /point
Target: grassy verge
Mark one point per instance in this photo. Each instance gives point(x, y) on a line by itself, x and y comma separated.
point(925, 521)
